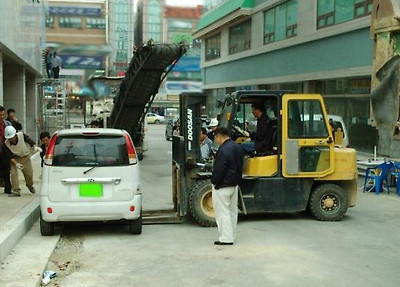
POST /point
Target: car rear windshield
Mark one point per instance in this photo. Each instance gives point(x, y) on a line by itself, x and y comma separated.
point(90, 151)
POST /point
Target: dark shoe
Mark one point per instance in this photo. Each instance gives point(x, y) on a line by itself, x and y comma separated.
point(8, 192)
point(31, 189)
point(222, 243)
point(14, 195)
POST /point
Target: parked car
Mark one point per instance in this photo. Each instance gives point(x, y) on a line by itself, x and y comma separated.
point(90, 175)
point(154, 118)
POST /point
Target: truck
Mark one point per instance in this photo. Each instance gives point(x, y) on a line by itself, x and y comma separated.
point(305, 171)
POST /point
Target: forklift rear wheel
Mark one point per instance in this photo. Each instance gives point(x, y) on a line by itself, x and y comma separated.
point(328, 202)
point(200, 203)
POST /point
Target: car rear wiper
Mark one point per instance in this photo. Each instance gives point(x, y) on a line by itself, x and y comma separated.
point(92, 168)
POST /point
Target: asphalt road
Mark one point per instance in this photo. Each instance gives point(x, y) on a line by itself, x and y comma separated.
point(271, 250)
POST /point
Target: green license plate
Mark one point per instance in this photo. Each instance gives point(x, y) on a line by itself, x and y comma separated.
point(90, 190)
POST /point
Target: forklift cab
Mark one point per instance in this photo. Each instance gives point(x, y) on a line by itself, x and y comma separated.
point(302, 142)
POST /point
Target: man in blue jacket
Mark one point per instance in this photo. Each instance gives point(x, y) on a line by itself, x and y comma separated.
point(226, 176)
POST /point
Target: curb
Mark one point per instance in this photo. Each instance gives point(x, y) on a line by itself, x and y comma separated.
point(12, 232)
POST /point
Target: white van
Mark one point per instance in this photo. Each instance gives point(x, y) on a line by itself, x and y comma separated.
point(90, 175)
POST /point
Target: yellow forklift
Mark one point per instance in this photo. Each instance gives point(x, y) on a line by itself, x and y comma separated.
point(305, 170)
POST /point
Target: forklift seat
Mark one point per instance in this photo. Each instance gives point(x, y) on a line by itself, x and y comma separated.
point(260, 166)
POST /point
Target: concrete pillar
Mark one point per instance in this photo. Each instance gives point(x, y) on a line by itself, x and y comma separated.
point(1, 78)
point(31, 103)
point(15, 90)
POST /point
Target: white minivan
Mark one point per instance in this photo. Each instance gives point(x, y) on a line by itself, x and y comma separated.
point(90, 175)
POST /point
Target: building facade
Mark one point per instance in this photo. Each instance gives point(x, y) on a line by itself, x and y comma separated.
point(121, 32)
point(149, 21)
point(180, 23)
point(22, 40)
point(307, 46)
point(77, 31)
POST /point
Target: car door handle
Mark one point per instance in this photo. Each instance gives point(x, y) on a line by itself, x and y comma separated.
point(91, 180)
point(320, 142)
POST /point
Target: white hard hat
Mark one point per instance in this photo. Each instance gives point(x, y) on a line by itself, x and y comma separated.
point(9, 132)
point(213, 122)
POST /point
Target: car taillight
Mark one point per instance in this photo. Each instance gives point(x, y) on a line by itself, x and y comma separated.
point(48, 159)
point(130, 149)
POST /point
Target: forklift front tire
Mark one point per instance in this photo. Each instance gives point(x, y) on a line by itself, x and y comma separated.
point(200, 203)
point(328, 202)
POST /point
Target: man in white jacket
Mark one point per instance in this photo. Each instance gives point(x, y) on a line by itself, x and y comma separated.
point(20, 146)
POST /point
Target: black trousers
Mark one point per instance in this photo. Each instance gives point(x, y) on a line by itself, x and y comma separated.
point(5, 172)
point(56, 72)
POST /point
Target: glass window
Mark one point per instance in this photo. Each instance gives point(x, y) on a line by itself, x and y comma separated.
point(154, 21)
point(70, 22)
point(362, 8)
point(50, 21)
point(95, 23)
point(280, 22)
point(343, 11)
point(269, 29)
point(240, 37)
point(213, 47)
point(332, 12)
point(93, 151)
point(306, 120)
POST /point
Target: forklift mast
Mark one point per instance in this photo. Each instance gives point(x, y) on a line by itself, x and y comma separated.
point(186, 149)
point(190, 123)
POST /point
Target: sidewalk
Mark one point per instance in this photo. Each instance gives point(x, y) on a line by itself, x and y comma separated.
point(18, 214)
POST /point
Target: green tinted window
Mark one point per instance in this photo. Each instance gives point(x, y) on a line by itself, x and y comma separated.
point(344, 11)
point(280, 22)
point(280, 28)
point(240, 37)
point(326, 6)
point(330, 12)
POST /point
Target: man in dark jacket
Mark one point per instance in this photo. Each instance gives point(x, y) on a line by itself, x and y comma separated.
point(12, 118)
point(226, 176)
point(261, 139)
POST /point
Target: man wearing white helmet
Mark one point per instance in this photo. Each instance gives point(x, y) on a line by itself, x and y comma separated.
point(213, 125)
point(20, 145)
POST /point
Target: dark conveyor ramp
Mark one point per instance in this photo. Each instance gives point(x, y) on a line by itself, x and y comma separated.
point(148, 68)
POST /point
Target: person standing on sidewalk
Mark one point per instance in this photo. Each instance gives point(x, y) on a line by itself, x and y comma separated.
point(13, 119)
point(20, 145)
point(226, 176)
point(4, 155)
point(45, 139)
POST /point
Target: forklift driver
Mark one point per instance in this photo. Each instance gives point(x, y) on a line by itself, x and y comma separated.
point(261, 139)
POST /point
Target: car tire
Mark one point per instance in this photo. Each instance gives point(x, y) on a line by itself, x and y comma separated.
point(157, 122)
point(328, 202)
point(135, 226)
point(46, 228)
point(200, 203)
